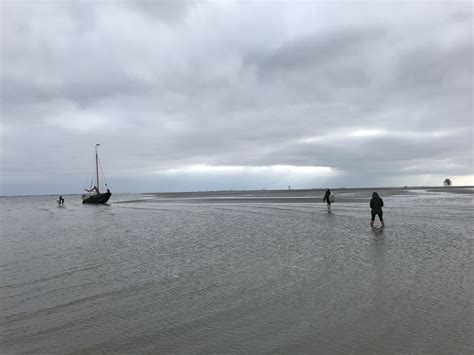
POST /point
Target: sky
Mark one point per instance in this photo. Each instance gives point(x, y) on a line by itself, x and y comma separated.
point(234, 95)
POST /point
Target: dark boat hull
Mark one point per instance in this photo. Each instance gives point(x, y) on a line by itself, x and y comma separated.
point(97, 198)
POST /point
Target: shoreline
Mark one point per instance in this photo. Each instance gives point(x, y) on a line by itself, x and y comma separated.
point(387, 191)
point(343, 195)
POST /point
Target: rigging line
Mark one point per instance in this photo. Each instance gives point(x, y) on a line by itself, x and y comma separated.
point(89, 173)
point(102, 171)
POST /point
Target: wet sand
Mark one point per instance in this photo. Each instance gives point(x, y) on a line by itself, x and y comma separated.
point(343, 195)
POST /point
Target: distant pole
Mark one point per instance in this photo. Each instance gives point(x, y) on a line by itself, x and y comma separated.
point(97, 167)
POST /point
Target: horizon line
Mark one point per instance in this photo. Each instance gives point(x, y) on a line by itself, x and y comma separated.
point(263, 189)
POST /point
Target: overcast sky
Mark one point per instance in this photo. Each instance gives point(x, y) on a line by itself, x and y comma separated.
point(211, 95)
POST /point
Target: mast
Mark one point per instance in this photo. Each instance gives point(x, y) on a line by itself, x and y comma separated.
point(97, 167)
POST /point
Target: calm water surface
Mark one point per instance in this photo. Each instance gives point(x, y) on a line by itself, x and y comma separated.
point(237, 273)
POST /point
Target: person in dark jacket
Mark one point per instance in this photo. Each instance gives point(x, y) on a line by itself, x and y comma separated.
point(326, 198)
point(376, 204)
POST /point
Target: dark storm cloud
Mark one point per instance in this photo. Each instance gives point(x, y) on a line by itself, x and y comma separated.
point(429, 66)
point(83, 91)
point(316, 50)
point(163, 10)
point(372, 91)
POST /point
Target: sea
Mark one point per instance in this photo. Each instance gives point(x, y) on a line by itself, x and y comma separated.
point(238, 272)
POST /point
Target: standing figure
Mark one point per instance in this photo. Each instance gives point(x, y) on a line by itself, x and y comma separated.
point(61, 200)
point(327, 199)
point(376, 204)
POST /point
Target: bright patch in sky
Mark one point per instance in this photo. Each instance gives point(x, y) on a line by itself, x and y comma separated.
point(368, 133)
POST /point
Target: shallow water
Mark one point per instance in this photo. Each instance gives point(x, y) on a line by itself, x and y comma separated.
point(174, 274)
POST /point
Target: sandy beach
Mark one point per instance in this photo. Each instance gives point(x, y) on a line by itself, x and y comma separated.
point(343, 195)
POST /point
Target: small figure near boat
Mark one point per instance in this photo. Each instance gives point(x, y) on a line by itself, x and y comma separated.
point(94, 190)
point(60, 200)
point(328, 198)
point(376, 204)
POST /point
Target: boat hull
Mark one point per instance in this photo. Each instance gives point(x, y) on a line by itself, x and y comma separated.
point(96, 198)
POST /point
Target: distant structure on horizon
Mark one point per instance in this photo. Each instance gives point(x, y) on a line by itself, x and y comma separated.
point(447, 182)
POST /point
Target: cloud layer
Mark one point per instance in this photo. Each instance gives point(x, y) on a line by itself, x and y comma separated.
point(379, 93)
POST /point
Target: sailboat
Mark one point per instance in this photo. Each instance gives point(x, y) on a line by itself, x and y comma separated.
point(93, 195)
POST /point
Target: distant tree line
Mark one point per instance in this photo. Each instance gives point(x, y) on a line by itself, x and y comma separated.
point(447, 182)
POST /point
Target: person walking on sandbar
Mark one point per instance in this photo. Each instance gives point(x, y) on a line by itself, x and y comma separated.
point(327, 199)
point(376, 204)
